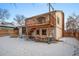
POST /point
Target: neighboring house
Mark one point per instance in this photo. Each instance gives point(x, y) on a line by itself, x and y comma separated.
point(11, 29)
point(46, 25)
point(6, 25)
point(6, 28)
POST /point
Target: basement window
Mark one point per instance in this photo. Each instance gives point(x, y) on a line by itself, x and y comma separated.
point(43, 31)
point(37, 32)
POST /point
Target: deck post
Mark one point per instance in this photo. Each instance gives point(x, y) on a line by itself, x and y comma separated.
point(20, 31)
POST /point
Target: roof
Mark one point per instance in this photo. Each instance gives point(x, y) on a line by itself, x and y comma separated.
point(6, 24)
point(44, 14)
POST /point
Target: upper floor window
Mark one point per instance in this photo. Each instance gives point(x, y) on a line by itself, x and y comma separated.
point(41, 19)
point(58, 20)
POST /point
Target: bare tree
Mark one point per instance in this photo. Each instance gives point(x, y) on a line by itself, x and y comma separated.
point(77, 23)
point(71, 23)
point(19, 19)
point(4, 14)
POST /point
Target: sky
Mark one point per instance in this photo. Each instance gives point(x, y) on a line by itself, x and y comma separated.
point(32, 9)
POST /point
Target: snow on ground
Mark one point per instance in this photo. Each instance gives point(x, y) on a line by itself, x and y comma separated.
point(21, 47)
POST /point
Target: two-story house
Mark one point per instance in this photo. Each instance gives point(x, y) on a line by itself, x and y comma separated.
point(46, 25)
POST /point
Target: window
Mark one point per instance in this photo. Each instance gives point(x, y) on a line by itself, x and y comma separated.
point(58, 20)
point(43, 31)
point(37, 32)
point(41, 20)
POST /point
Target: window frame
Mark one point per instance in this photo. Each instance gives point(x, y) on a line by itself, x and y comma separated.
point(37, 32)
point(44, 31)
point(58, 22)
point(41, 20)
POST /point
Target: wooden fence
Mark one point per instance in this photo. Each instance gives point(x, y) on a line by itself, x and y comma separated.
point(8, 32)
point(71, 34)
point(13, 33)
point(3, 32)
point(77, 35)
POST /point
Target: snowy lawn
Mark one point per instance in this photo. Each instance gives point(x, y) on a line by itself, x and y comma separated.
point(16, 46)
